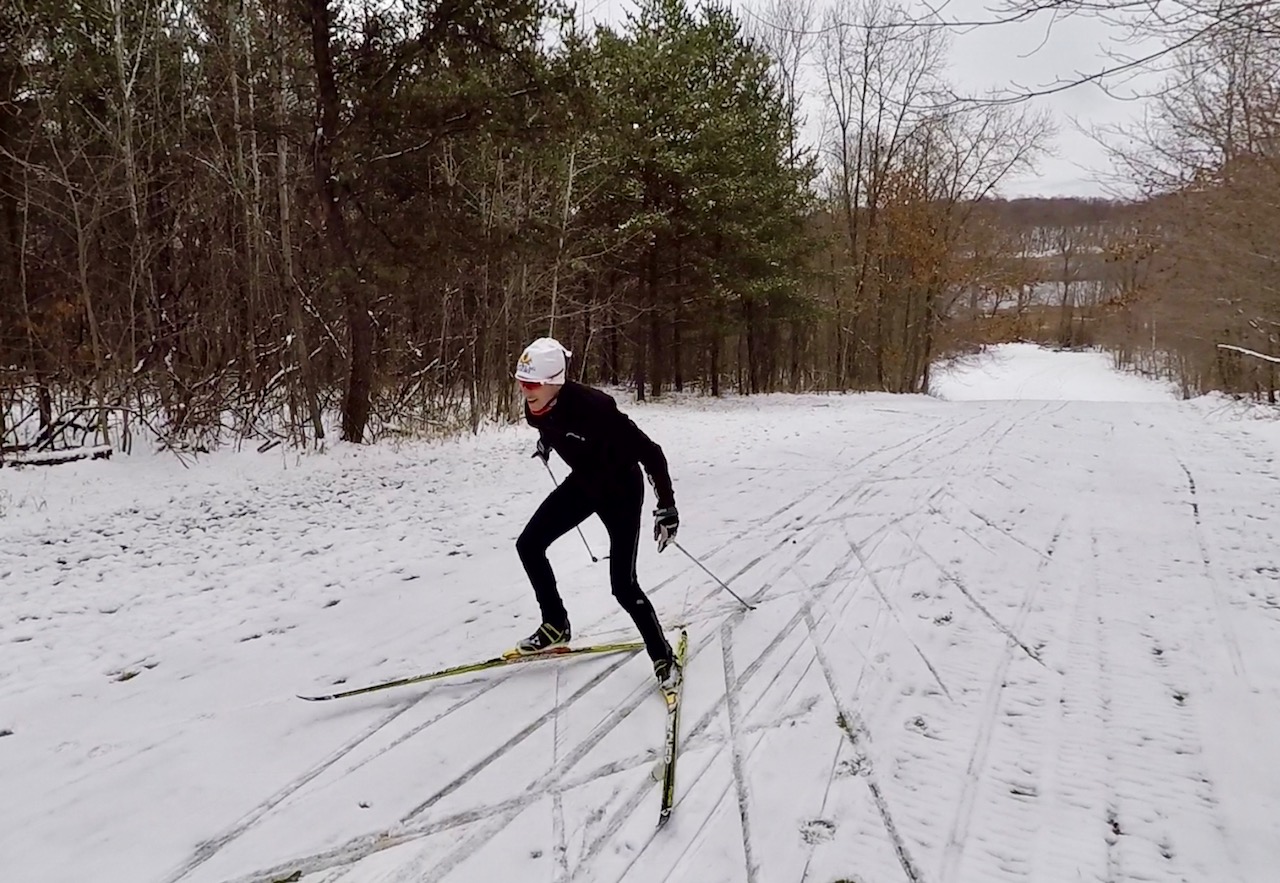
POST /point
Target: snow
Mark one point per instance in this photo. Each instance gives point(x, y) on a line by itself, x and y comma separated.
point(996, 641)
point(1027, 371)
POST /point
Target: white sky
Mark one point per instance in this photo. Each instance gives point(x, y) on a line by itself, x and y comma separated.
point(1024, 55)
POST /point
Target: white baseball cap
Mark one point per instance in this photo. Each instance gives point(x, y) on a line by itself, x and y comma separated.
point(543, 361)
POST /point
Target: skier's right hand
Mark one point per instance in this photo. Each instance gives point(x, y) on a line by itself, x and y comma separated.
point(543, 452)
point(666, 521)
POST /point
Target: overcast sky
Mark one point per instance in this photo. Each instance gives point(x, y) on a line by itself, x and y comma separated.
point(1024, 55)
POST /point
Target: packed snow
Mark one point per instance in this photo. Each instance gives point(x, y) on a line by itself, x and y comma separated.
point(1029, 638)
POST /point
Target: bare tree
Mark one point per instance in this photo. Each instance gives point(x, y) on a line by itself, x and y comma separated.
point(1209, 158)
point(879, 83)
point(344, 264)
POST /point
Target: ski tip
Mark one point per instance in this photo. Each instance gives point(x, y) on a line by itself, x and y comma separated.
point(314, 698)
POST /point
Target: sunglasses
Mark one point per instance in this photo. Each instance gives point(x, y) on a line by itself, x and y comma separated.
point(530, 384)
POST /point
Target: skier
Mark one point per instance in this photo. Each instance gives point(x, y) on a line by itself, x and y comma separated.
point(604, 450)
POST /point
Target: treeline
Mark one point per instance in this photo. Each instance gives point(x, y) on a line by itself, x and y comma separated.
point(1062, 269)
point(1181, 281)
point(1179, 285)
point(247, 219)
point(1209, 255)
point(1193, 292)
point(224, 220)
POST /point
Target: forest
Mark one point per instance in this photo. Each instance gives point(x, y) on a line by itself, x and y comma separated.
point(271, 221)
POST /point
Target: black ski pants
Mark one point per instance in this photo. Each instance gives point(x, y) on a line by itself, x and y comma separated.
point(572, 503)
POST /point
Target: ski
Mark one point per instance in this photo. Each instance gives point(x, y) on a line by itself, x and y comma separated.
point(509, 658)
point(672, 746)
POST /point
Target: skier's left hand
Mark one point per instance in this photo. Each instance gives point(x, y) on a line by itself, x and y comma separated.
point(666, 521)
point(543, 452)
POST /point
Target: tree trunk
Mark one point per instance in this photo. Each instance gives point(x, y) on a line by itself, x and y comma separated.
point(677, 363)
point(655, 323)
point(139, 250)
point(613, 371)
point(11, 244)
point(714, 357)
point(84, 235)
point(342, 263)
point(655, 353)
point(1066, 319)
point(752, 344)
point(677, 353)
point(288, 281)
point(794, 369)
point(564, 225)
point(640, 358)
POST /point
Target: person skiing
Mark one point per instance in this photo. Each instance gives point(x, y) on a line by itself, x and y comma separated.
point(604, 449)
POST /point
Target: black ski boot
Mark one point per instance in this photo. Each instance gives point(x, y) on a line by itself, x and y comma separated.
point(668, 673)
point(548, 637)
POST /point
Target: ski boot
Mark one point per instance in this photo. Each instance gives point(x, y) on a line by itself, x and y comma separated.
point(547, 639)
point(668, 673)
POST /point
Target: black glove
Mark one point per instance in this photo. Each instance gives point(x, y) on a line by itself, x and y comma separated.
point(666, 521)
point(543, 452)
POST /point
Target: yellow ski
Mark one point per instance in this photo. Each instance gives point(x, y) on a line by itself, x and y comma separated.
point(672, 746)
point(510, 658)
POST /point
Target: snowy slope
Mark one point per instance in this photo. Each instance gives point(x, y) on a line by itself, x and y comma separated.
point(997, 641)
point(1026, 371)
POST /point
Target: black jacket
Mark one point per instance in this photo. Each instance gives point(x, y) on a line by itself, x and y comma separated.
point(600, 443)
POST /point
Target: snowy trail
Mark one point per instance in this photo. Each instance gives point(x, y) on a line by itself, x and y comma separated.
point(996, 641)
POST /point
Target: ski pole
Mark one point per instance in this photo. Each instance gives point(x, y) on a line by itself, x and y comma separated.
point(712, 575)
point(594, 559)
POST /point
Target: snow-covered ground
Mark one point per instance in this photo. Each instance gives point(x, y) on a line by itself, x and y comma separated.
point(997, 640)
point(1028, 372)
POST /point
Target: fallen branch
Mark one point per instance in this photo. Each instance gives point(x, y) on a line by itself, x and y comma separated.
point(53, 458)
point(1240, 349)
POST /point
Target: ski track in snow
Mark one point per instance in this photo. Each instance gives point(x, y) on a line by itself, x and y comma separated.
point(996, 641)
